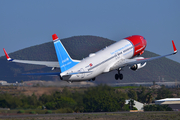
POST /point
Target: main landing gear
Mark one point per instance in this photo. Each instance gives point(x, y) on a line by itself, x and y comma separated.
point(119, 75)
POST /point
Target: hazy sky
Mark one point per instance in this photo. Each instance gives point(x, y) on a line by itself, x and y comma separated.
point(24, 23)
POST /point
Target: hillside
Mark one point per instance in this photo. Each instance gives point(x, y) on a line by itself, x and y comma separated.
point(79, 47)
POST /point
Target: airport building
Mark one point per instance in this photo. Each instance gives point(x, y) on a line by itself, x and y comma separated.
point(138, 105)
point(174, 103)
point(5, 83)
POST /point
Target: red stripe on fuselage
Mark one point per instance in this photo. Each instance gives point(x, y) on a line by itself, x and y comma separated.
point(138, 42)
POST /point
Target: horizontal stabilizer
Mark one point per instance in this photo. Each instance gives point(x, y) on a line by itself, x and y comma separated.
point(53, 73)
point(46, 63)
point(57, 73)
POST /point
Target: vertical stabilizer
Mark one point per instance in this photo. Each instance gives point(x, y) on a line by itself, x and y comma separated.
point(65, 61)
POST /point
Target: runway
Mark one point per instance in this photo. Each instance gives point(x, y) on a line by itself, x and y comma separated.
point(97, 116)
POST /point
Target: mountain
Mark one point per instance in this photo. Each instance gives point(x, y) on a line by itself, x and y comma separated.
point(80, 47)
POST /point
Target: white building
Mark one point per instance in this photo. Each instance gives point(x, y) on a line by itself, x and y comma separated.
point(138, 105)
point(3, 82)
point(174, 103)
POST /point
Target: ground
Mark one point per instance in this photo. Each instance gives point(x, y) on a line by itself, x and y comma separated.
point(99, 116)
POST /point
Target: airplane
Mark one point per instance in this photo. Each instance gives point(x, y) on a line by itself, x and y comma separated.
point(123, 53)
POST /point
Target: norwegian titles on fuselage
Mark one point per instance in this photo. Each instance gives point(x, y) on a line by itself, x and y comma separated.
point(114, 52)
point(118, 55)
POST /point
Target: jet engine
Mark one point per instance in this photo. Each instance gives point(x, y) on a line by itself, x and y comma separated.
point(138, 66)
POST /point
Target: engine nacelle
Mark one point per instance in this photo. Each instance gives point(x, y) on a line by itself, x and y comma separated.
point(138, 66)
point(92, 54)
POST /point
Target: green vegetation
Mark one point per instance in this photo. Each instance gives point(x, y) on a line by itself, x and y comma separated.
point(157, 108)
point(164, 93)
point(49, 112)
point(127, 87)
point(32, 112)
point(21, 111)
point(101, 98)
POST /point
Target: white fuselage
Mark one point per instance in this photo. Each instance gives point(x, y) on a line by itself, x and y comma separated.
point(114, 57)
point(102, 61)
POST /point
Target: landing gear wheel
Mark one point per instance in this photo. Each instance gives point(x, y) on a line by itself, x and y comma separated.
point(93, 79)
point(116, 76)
point(120, 76)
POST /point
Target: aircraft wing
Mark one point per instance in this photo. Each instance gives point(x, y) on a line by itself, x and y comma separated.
point(51, 74)
point(137, 60)
point(130, 62)
point(46, 63)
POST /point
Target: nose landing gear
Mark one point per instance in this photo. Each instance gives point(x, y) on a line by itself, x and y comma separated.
point(119, 75)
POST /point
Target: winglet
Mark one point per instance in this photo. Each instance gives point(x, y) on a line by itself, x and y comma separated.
point(174, 47)
point(54, 37)
point(7, 56)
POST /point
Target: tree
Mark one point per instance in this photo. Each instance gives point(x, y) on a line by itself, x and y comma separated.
point(66, 92)
point(149, 97)
point(51, 105)
point(45, 98)
point(142, 95)
point(157, 108)
point(102, 98)
point(3, 103)
point(132, 94)
point(65, 102)
point(163, 92)
point(131, 103)
point(33, 101)
point(78, 97)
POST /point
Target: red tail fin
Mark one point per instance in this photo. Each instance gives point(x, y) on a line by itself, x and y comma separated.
point(54, 37)
point(7, 56)
point(174, 47)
